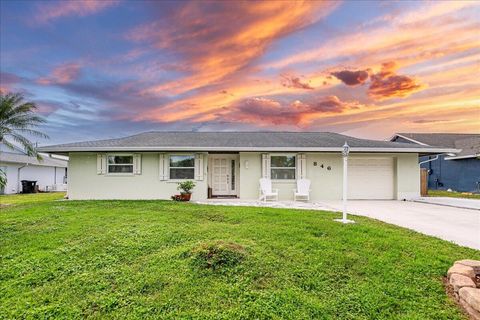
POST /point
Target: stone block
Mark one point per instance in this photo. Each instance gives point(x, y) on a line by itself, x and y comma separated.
point(475, 264)
point(459, 281)
point(461, 269)
point(471, 296)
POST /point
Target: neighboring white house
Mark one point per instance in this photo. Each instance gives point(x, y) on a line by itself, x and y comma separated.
point(50, 173)
point(230, 164)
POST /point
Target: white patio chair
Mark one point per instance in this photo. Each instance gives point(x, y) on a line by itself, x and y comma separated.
point(266, 191)
point(303, 190)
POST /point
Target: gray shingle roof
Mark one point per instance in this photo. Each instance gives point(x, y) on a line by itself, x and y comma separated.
point(21, 158)
point(235, 141)
point(468, 143)
point(440, 139)
point(469, 146)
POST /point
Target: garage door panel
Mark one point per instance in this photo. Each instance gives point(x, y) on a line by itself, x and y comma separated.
point(370, 178)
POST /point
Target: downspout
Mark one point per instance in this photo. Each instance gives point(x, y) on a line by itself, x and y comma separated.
point(429, 160)
point(18, 176)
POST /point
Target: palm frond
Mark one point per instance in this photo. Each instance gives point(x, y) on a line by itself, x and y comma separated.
point(18, 118)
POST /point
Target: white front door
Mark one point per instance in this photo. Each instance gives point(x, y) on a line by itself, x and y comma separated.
point(224, 175)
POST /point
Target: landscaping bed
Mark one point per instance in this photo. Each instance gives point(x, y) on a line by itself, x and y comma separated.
point(166, 259)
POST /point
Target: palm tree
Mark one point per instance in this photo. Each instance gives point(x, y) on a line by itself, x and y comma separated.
point(18, 118)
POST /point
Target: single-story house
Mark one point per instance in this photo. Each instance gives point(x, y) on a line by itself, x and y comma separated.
point(50, 173)
point(457, 171)
point(229, 164)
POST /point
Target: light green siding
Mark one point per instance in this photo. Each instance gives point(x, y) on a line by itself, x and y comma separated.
point(325, 184)
point(408, 176)
point(85, 183)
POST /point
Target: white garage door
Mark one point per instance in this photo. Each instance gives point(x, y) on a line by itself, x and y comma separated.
point(370, 178)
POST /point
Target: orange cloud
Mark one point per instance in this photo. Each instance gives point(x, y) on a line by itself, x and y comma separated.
point(265, 111)
point(48, 12)
point(221, 39)
point(387, 84)
point(416, 35)
point(62, 74)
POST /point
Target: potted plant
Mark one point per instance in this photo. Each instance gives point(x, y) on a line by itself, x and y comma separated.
point(186, 188)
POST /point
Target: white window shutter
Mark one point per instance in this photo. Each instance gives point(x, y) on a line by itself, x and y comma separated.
point(301, 166)
point(161, 167)
point(199, 166)
point(101, 163)
point(137, 164)
point(266, 165)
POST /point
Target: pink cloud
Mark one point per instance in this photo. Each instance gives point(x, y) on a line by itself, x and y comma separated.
point(291, 81)
point(8, 81)
point(62, 74)
point(50, 11)
point(264, 111)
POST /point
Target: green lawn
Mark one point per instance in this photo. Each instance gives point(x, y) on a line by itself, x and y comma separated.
point(453, 194)
point(159, 259)
point(14, 199)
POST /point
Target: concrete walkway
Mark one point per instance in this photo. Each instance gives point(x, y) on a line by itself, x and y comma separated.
point(452, 202)
point(458, 225)
point(269, 204)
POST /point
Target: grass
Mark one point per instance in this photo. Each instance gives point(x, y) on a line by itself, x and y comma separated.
point(170, 260)
point(452, 194)
point(14, 199)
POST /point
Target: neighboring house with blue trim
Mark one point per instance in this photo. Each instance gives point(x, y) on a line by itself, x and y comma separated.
point(459, 172)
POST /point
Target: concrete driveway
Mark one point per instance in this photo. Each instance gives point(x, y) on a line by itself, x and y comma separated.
point(461, 226)
point(452, 202)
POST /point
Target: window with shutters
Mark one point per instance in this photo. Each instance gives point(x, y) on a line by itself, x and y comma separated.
point(182, 167)
point(120, 164)
point(282, 167)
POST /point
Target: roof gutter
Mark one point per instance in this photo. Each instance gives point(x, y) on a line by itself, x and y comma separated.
point(431, 150)
point(463, 157)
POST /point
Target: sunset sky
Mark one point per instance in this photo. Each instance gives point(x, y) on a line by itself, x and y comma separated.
point(104, 69)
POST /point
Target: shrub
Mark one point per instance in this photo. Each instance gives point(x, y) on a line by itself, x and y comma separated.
point(218, 254)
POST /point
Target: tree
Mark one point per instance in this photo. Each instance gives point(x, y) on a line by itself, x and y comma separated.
point(17, 119)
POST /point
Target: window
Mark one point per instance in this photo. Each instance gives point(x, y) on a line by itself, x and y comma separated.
point(120, 164)
point(282, 167)
point(182, 167)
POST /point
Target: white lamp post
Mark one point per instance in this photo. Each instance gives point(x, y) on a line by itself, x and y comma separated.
point(345, 152)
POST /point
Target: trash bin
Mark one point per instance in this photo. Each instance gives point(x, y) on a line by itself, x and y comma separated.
point(28, 186)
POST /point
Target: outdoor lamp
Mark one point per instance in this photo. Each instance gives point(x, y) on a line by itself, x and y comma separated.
point(346, 149)
point(345, 152)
